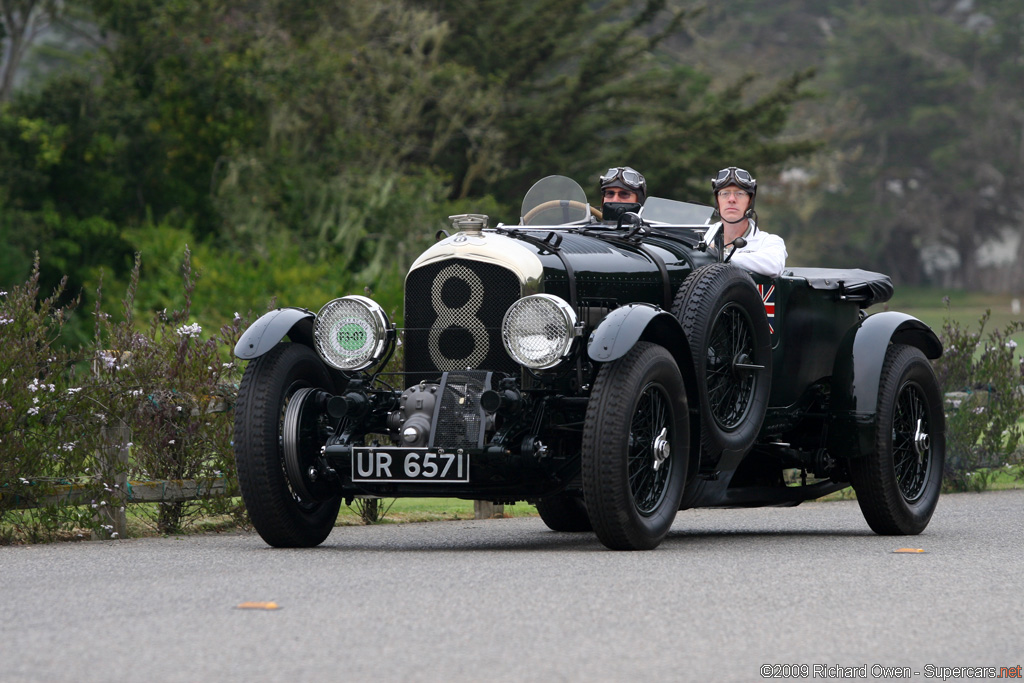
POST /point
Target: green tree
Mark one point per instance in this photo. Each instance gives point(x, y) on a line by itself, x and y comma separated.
point(585, 86)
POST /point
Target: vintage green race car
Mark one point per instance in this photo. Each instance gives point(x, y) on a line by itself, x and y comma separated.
point(612, 374)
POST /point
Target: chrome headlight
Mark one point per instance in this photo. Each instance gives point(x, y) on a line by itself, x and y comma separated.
point(351, 333)
point(538, 331)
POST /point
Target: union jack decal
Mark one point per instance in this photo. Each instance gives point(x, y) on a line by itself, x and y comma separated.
point(767, 293)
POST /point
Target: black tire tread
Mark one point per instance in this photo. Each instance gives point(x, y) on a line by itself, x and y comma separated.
point(564, 512)
point(272, 509)
point(609, 418)
point(691, 308)
point(872, 475)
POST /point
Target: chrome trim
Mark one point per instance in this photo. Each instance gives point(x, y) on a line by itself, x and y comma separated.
point(379, 326)
point(569, 321)
point(488, 247)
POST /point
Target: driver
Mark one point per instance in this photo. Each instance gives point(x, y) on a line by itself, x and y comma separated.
point(622, 189)
point(734, 191)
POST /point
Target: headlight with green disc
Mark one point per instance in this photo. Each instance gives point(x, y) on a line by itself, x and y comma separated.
point(351, 333)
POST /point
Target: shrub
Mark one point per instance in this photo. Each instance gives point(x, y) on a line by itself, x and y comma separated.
point(161, 393)
point(173, 391)
point(982, 377)
point(43, 405)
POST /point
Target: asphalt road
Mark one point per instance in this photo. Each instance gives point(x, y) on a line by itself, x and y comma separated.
point(508, 600)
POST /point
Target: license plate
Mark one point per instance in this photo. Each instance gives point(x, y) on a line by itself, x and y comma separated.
point(397, 464)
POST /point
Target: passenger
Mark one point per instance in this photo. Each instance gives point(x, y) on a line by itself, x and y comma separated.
point(734, 190)
point(622, 189)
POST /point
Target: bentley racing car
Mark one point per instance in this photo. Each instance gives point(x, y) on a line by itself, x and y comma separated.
point(612, 373)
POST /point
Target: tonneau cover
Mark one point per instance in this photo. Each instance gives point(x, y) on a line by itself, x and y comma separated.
point(863, 286)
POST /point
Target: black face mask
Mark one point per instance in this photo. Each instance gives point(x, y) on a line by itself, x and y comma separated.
point(612, 211)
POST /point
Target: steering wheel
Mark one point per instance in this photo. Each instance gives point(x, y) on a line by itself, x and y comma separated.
point(557, 203)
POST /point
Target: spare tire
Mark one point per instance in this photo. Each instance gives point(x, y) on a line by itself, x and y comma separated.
point(727, 329)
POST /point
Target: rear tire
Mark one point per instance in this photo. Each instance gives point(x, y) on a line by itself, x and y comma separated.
point(281, 517)
point(898, 483)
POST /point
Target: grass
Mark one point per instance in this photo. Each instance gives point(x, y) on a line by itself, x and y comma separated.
point(965, 307)
point(400, 510)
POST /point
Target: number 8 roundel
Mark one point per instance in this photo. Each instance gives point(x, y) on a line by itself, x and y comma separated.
point(458, 339)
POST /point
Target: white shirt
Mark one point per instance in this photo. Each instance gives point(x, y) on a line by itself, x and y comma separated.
point(764, 253)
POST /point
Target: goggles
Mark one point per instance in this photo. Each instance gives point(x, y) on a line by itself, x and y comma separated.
point(629, 176)
point(733, 172)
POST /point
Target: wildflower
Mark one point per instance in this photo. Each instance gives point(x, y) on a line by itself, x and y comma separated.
point(179, 409)
point(5, 294)
point(979, 410)
point(1011, 344)
point(171, 442)
point(192, 330)
point(135, 392)
point(33, 411)
point(68, 447)
point(35, 399)
point(227, 366)
point(33, 386)
point(6, 321)
point(74, 390)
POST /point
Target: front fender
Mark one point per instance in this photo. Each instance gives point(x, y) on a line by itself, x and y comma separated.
point(271, 328)
point(857, 373)
point(622, 328)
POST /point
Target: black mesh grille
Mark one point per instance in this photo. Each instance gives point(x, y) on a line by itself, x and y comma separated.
point(453, 313)
point(460, 421)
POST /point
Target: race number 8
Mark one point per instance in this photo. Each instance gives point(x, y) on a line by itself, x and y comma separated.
point(465, 316)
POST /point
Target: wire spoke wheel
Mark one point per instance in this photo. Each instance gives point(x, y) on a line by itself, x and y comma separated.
point(649, 474)
point(730, 387)
point(636, 438)
point(899, 479)
point(911, 442)
point(268, 419)
point(726, 327)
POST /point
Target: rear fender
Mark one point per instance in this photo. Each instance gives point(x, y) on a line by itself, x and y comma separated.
point(858, 370)
point(271, 328)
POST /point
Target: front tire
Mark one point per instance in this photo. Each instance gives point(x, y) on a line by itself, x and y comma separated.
point(280, 515)
point(635, 448)
point(898, 483)
point(564, 512)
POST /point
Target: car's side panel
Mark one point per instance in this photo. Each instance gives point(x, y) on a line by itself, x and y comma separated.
point(807, 329)
point(271, 328)
point(856, 374)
